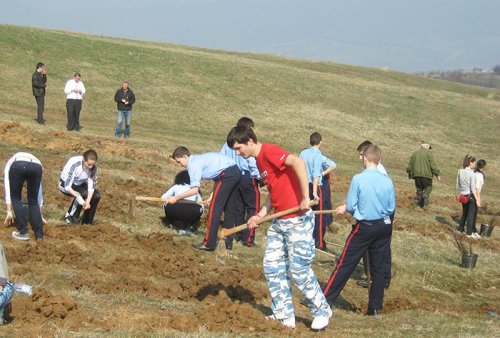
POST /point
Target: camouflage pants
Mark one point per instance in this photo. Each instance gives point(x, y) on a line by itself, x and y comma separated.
point(289, 253)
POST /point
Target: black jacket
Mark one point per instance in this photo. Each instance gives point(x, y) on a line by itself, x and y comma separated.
point(127, 95)
point(38, 83)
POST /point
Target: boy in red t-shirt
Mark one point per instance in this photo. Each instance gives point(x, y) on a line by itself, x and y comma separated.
point(290, 244)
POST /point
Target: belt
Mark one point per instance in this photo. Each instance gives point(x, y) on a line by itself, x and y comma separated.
point(26, 159)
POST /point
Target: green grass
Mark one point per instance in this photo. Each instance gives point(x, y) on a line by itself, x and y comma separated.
point(192, 97)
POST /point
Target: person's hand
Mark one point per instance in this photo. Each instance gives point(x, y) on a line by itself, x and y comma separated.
point(478, 203)
point(9, 219)
point(252, 222)
point(316, 197)
point(457, 198)
point(208, 201)
point(341, 209)
point(80, 200)
point(171, 200)
point(126, 103)
point(86, 206)
point(123, 100)
point(305, 203)
point(438, 178)
point(44, 221)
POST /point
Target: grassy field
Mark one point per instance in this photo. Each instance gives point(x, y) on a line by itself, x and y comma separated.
point(131, 277)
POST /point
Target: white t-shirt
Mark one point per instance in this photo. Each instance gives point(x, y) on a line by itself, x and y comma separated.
point(179, 189)
point(479, 181)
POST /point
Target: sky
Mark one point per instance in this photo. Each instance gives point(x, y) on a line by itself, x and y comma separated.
point(404, 35)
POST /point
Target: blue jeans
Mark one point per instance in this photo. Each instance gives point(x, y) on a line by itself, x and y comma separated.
point(123, 115)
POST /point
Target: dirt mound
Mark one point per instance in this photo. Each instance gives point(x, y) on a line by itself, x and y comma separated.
point(44, 306)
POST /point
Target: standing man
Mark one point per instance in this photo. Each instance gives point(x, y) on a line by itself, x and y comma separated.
point(38, 84)
point(246, 201)
point(290, 244)
point(74, 90)
point(371, 201)
point(226, 176)
point(20, 168)
point(79, 180)
point(314, 166)
point(124, 99)
point(422, 169)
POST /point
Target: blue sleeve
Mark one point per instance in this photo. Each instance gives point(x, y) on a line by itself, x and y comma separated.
point(317, 166)
point(392, 201)
point(351, 200)
point(252, 165)
point(195, 172)
point(327, 163)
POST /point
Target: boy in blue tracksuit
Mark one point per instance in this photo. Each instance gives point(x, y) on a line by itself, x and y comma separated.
point(314, 163)
point(246, 200)
point(371, 201)
point(209, 166)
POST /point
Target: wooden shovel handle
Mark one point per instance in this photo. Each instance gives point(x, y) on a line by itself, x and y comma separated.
point(159, 199)
point(223, 233)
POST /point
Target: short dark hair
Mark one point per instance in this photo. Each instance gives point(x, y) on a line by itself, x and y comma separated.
point(315, 138)
point(39, 64)
point(372, 153)
point(363, 145)
point(241, 135)
point(182, 177)
point(245, 122)
point(180, 152)
point(77, 74)
point(90, 155)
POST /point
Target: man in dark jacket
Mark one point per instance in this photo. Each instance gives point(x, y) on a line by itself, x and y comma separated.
point(38, 83)
point(124, 99)
point(422, 169)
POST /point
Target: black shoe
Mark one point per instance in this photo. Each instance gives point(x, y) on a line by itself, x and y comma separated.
point(325, 249)
point(202, 247)
point(362, 282)
point(373, 312)
point(250, 245)
point(41, 122)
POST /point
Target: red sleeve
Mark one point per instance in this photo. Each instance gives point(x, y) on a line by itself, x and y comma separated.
point(276, 156)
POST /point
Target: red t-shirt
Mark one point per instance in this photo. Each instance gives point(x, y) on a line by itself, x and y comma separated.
point(281, 181)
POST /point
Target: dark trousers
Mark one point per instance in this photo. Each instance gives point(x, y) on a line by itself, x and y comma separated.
point(75, 208)
point(184, 215)
point(225, 187)
point(424, 189)
point(40, 104)
point(376, 239)
point(31, 173)
point(327, 200)
point(469, 214)
point(319, 224)
point(73, 108)
point(244, 204)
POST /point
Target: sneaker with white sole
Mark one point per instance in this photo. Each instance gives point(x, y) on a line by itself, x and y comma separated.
point(320, 322)
point(474, 235)
point(20, 236)
point(288, 322)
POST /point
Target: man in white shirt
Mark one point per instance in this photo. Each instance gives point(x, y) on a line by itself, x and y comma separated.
point(74, 90)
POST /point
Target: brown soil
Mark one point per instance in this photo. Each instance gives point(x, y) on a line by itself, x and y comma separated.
point(104, 260)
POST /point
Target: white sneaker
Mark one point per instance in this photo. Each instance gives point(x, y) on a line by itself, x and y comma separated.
point(288, 322)
point(476, 235)
point(19, 236)
point(320, 322)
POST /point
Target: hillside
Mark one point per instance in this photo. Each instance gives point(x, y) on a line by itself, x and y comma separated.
point(130, 276)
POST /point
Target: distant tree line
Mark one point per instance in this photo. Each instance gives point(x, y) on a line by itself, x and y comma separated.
point(477, 76)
